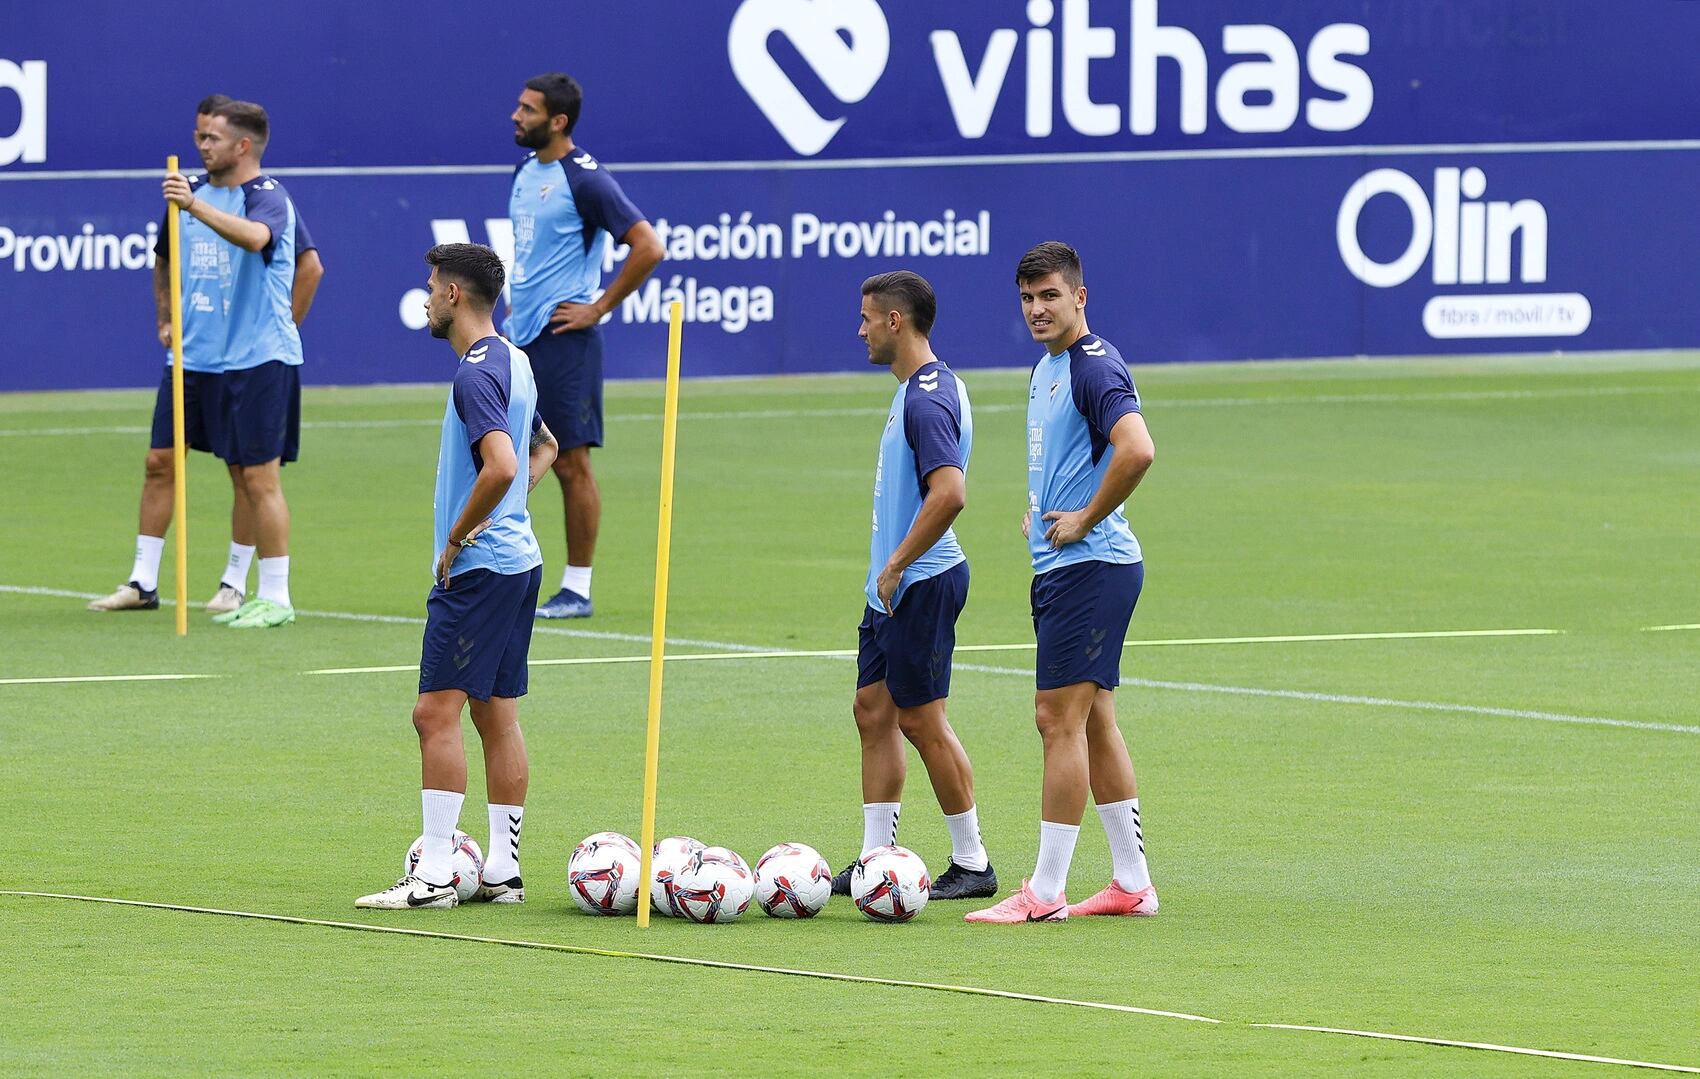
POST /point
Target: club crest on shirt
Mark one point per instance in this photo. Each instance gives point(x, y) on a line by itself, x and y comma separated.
point(543, 192)
point(1054, 386)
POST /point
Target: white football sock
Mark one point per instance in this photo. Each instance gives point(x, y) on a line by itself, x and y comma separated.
point(966, 850)
point(577, 579)
point(1056, 850)
point(879, 824)
point(501, 857)
point(274, 579)
point(236, 570)
point(442, 814)
point(145, 572)
point(1127, 843)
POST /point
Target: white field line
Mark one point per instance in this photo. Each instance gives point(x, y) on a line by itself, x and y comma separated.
point(859, 979)
point(1297, 638)
point(1421, 706)
point(829, 413)
point(1149, 683)
point(738, 651)
point(1668, 629)
point(610, 953)
point(406, 620)
point(1489, 1046)
point(104, 678)
point(751, 652)
point(1372, 702)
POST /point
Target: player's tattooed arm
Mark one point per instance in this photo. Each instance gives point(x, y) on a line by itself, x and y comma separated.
point(543, 452)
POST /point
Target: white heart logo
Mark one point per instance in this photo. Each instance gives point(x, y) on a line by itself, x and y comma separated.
point(848, 68)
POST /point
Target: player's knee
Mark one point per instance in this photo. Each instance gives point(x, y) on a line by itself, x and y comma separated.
point(260, 481)
point(573, 464)
point(871, 718)
point(158, 466)
point(1056, 721)
point(430, 720)
point(920, 725)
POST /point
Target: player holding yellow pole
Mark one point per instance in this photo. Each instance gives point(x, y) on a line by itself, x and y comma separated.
point(658, 632)
point(180, 483)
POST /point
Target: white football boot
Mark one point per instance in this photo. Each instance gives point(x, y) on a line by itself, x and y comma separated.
point(411, 893)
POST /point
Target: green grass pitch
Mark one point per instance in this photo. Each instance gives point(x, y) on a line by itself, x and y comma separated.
point(1374, 847)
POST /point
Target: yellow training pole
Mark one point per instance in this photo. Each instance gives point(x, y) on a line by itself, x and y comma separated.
point(180, 511)
point(658, 632)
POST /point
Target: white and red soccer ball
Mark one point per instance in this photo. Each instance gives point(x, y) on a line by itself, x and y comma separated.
point(602, 874)
point(667, 861)
point(792, 881)
point(466, 859)
point(715, 885)
point(890, 884)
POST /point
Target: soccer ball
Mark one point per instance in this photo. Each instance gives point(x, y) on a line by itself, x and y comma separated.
point(792, 881)
point(602, 874)
point(592, 842)
point(667, 861)
point(890, 884)
point(714, 886)
point(467, 860)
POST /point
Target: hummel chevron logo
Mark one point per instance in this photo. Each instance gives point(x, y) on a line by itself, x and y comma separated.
point(585, 161)
point(477, 355)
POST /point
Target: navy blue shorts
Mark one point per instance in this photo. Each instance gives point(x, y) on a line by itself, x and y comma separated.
point(568, 370)
point(1080, 613)
point(203, 412)
point(262, 414)
point(478, 633)
point(910, 650)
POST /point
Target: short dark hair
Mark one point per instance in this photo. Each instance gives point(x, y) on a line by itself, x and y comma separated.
point(212, 103)
point(910, 292)
point(248, 118)
point(1052, 256)
point(477, 267)
point(562, 95)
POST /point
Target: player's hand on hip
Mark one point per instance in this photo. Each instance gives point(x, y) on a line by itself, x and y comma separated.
point(1026, 524)
point(885, 586)
point(165, 334)
point(1069, 527)
point(176, 189)
point(446, 560)
point(568, 317)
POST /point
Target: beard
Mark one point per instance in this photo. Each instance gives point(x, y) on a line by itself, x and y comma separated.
point(533, 138)
point(439, 326)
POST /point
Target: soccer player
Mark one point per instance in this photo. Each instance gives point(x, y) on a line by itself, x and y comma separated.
point(205, 286)
point(1087, 449)
point(480, 612)
point(564, 206)
point(916, 587)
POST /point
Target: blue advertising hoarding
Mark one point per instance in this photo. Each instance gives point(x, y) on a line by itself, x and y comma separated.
point(1244, 180)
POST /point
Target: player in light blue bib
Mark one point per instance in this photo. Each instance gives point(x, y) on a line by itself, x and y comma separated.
point(479, 614)
point(1087, 449)
point(248, 278)
point(916, 586)
point(566, 209)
